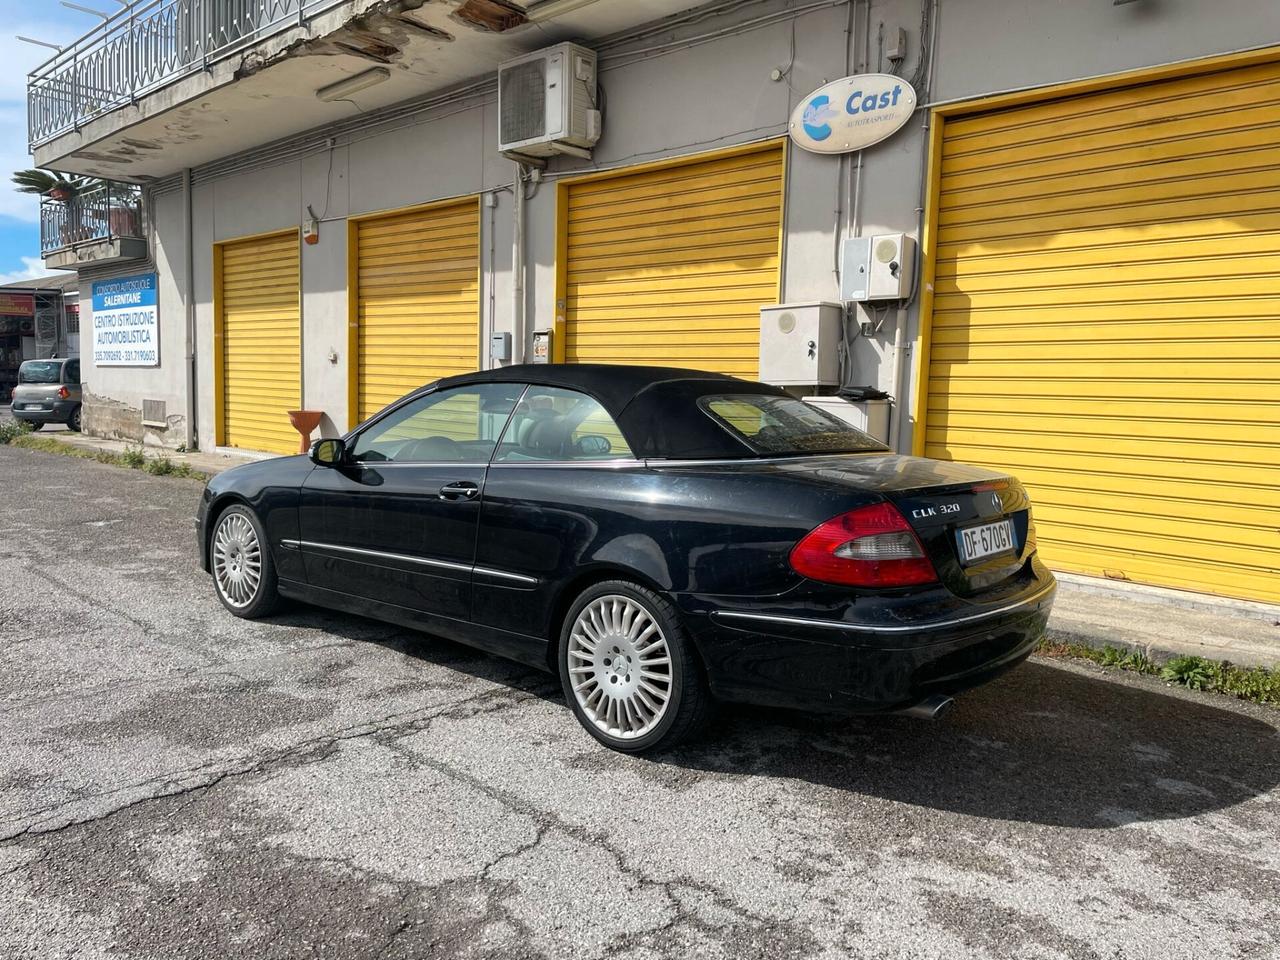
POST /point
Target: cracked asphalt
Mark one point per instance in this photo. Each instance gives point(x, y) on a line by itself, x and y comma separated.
point(178, 783)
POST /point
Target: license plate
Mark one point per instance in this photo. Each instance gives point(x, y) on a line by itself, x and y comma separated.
point(31, 406)
point(975, 543)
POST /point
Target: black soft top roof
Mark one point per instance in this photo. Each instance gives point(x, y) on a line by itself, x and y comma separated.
point(655, 407)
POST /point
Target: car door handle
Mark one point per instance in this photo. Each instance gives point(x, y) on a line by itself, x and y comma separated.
point(459, 490)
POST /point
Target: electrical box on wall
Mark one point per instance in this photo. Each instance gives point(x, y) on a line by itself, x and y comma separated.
point(855, 264)
point(541, 346)
point(500, 347)
point(800, 343)
point(879, 267)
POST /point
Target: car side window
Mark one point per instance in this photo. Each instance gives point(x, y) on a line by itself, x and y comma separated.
point(72, 372)
point(551, 423)
point(461, 425)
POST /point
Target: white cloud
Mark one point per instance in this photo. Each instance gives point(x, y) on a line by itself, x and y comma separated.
point(32, 269)
point(21, 58)
point(18, 59)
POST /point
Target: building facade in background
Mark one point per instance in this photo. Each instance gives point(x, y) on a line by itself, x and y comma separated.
point(38, 319)
point(1094, 188)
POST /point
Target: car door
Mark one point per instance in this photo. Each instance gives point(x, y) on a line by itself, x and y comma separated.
point(396, 521)
point(562, 480)
point(71, 377)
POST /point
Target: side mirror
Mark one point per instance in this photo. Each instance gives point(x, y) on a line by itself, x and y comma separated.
point(329, 452)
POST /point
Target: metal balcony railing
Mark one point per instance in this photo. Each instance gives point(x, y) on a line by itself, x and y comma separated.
point(99, 213)
point(143, 47)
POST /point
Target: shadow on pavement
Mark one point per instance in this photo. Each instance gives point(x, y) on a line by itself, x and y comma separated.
point(1041, 744)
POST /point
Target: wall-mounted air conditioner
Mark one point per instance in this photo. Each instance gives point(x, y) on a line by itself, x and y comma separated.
point(547, 103)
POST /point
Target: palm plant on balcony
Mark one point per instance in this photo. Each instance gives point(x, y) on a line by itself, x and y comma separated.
point(65, 189)
point(52, 184)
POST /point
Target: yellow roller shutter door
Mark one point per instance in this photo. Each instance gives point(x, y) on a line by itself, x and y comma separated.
point(418, 298)
point(671, 265)
point(1106, 324)
point(261, 342)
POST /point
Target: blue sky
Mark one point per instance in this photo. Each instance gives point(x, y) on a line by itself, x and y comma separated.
point(45, 20)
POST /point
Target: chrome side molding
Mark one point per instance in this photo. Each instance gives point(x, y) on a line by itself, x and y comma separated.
point(406, 558)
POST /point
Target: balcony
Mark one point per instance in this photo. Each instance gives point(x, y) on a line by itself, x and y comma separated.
point(144, 47)
point(164, 85)
point(102, 224)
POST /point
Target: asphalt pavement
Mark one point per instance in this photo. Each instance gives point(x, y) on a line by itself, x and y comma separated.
point(176, 783)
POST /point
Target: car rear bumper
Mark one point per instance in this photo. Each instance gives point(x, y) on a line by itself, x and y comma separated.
point(58, 411)
point(847, 667)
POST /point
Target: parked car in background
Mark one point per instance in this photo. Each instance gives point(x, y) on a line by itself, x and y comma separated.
point(48, 391)
point(658, 538)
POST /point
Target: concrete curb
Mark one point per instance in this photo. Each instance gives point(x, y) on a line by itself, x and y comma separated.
point(1162, 624)
point(209, 463)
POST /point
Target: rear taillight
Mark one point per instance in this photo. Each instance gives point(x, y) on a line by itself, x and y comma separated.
point(63, 393)
point(872, 546)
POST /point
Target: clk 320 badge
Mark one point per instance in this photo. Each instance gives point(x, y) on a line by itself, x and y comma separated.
point(942, 509)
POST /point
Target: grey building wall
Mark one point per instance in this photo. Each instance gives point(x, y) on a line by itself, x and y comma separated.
point(702, 87)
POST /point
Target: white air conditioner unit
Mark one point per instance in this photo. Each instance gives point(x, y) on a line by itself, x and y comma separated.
point(547, 103)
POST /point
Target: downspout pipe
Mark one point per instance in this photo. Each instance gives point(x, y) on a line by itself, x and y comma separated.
point(189, 302)
point(517, 268)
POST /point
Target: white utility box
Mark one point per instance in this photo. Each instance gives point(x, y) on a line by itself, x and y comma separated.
point(800, 343)
point(855, 267)
point(879, 267)
point(869, 416)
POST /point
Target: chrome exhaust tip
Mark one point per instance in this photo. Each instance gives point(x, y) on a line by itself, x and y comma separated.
point(930, 708)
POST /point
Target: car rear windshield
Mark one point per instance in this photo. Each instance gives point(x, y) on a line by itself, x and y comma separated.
point(40, 371)
point(782, 426)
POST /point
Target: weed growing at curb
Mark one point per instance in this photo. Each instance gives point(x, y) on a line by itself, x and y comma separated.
point(11, 430)
point(132, 457)
point(1255, 684)
point(159, 467)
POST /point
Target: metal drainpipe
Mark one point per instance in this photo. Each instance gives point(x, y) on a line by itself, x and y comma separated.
point(899, 334)
point(517, 269)
point(189, 301)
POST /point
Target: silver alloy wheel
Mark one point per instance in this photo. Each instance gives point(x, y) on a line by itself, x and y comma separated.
point(620, 667)
point(237, 560)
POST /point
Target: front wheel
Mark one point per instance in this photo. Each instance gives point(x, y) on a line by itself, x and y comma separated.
point(244, 574)
point(629, 671)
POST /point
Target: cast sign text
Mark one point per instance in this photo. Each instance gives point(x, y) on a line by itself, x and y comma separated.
point(853, 113)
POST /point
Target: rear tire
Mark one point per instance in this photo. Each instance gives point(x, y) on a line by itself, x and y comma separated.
point(629, 670)
point(244, 574)
point(73, 422)
point(33, 425)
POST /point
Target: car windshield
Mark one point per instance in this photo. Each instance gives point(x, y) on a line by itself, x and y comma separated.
point(781, 426)
point(40, 371)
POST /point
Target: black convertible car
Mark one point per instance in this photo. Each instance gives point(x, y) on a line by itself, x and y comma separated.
point(659, 538)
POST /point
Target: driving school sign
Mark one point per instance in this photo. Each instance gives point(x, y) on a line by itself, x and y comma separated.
point(853, 113)
point(126, 322)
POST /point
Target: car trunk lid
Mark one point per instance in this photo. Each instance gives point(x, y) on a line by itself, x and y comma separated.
point(974, 523)
point(978, 534)
point(35, 395)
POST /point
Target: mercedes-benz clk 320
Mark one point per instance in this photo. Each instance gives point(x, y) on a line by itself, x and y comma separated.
point(661, 539)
